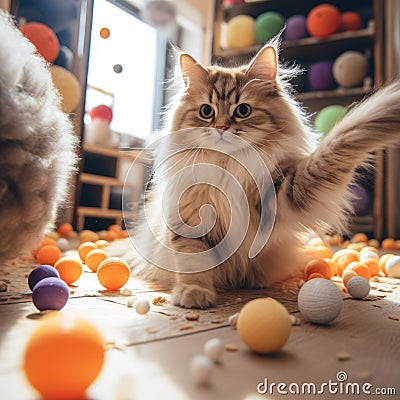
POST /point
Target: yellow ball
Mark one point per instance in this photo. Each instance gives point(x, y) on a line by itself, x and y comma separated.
point(240, 32)
point(264, 325)
point(68, 87)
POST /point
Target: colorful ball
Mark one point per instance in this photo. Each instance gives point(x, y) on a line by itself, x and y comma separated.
point(41, 272)
point(328, 117)
point(48, 254)
point(63, 357)
point(323, 20)
point(361, 199)
point(268, 25)
point(104, 33)
point(65, 229)
point(296, 27)
point(392, 267)
point(320, 76)
point(84, 249)
point(68, 87)
point(43, 38)
point(113, 273)
point(70, 269)
point(94, 258)
point(264, 325)
point(350, 21)
point(240, 32)
point(101, 112)
point(320, 300)
point(350, 69)
point(50, 294)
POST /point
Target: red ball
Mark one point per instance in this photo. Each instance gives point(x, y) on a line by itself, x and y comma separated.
point(101, 112)
point(350, 21)
point(323, 20)
point(43, 38)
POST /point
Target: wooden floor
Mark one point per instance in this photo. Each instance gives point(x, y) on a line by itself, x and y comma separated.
point(148, 357)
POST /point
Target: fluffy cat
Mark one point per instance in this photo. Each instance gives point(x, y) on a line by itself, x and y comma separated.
point(245, 110)
point(37, 144)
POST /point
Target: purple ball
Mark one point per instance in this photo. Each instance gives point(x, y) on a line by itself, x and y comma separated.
point(296, 27)
point(50, 294)
point(320, 76)
point(41, 272)
point(361, 199)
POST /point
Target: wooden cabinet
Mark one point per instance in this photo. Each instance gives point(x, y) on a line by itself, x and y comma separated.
point(367, 40)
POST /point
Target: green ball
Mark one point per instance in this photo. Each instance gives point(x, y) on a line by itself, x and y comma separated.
point(268, 25)
point(328, 117)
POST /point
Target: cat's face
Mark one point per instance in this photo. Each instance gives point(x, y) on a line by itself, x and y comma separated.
point(244, 101)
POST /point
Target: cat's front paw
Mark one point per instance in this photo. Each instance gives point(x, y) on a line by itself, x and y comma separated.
point(193, 296)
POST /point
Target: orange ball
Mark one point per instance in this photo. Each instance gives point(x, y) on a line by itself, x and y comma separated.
point(318, 266)
point(347, 275)
point(343, 252)
point(65, 229)
point(372, 265)
point(111, 235)
point(359, 238)
point(48, 254)
point(84, 248)
point(46, 241)
point(70, 269)
point(43, 38)
point(323, 20)
point(115, 228)
point(104, 33)
point(94, 258)
point(360, 269)
point(389, 244)
point(113, 273)
point(350, 21)
point(322, 252)
point(382, 262)
point(315, 275)
point(332, 265)
point(344, 261)
point(63, 357)
point(101, 243)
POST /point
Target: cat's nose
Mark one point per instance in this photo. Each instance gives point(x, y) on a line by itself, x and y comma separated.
point(221, 128)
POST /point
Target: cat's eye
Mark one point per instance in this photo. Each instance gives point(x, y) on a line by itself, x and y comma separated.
point(242, 110)
point(206, 111)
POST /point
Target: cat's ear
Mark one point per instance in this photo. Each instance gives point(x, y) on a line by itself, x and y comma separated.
point(264, 65)
point(193, 73)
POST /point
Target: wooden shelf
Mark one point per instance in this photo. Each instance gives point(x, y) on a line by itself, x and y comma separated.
point(331, 94)
point(98, 212)
point(100, 180)
point(306, 48)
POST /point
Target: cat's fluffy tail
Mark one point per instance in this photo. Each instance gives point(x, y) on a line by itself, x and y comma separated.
point(318, 185)
point(36, 144)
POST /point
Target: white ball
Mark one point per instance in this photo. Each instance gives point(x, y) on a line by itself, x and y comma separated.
point(142, 306)
point(364, 255)
point(358, 287)
point(63, 244)
point(320, 300)
point(350, 69)
point(214, 349)
point(232, 320)
point(392, 267)
point(201, 369)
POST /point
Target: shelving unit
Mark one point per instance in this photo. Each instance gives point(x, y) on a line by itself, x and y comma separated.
point(105, 185)
point(307, 50)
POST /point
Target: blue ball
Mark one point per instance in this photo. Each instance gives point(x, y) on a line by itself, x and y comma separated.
point(41, 272)
point(50, 294)
point(296, 28)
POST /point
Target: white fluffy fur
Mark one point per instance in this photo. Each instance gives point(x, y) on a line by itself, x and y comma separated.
point(36, 144)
